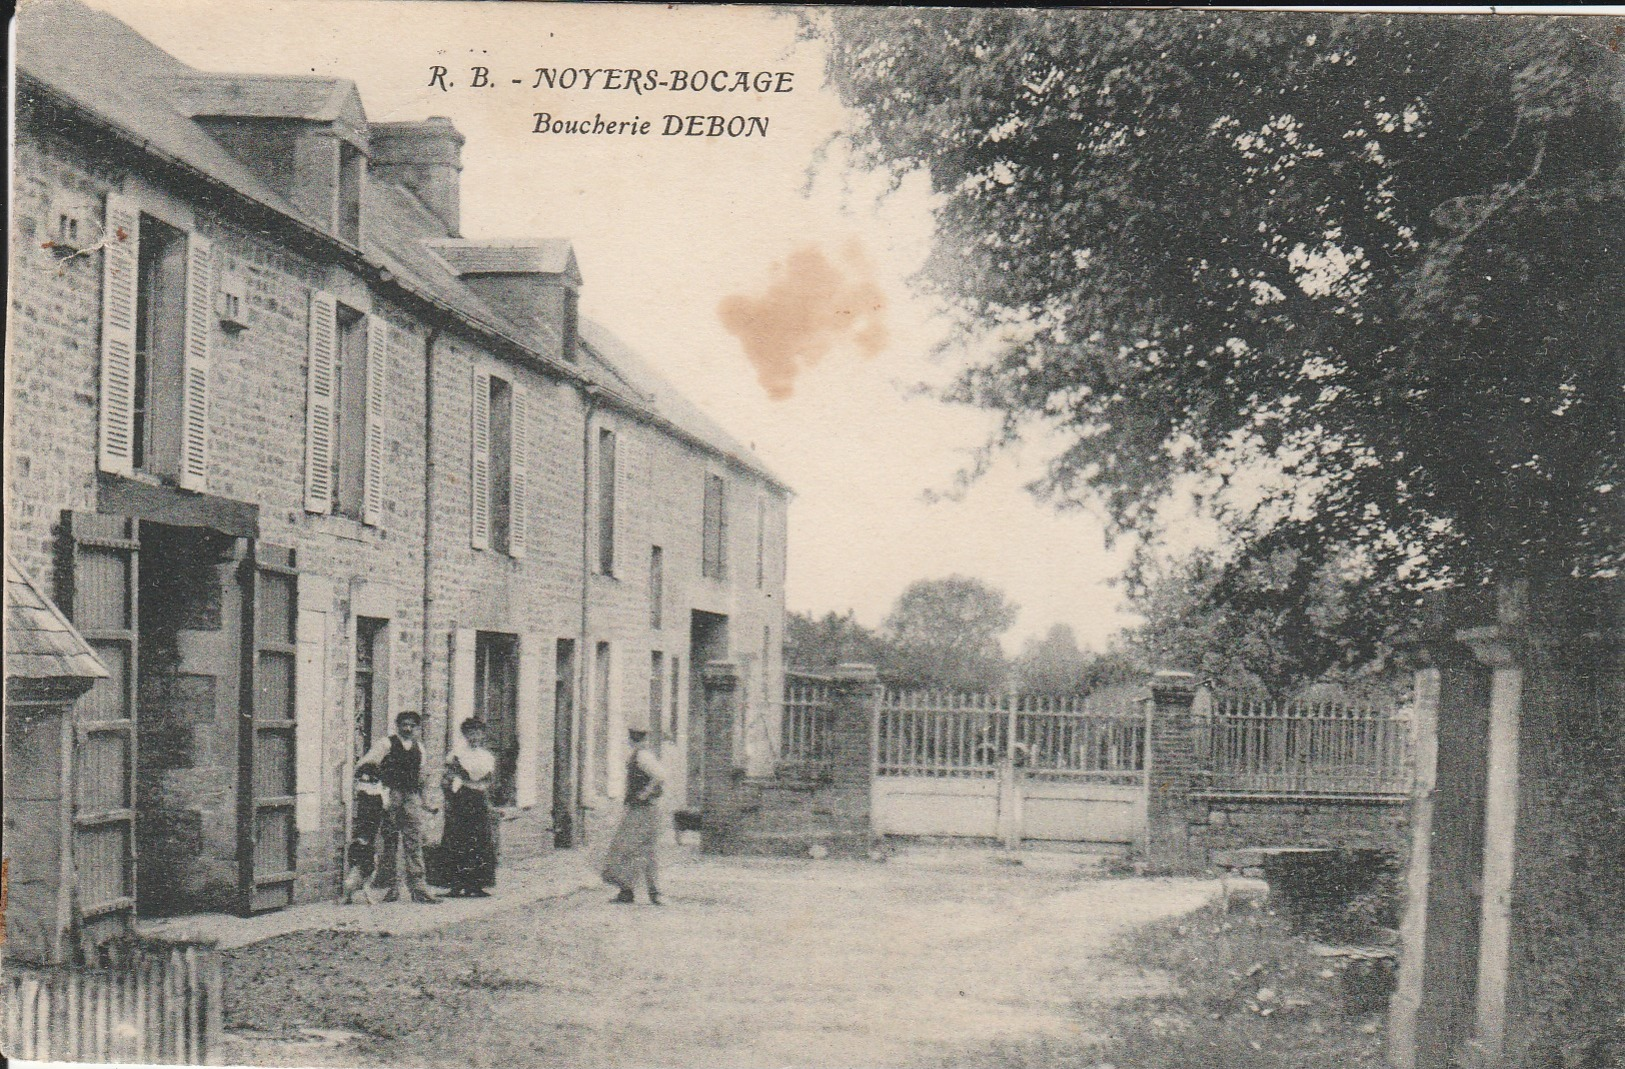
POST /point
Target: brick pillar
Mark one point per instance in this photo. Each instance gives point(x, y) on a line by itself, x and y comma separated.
point(721, 803)
point(853, 690)
point(1170, 774)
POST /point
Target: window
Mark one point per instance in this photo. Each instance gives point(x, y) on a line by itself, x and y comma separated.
point(606, 501)
point(657, 586)
point(349, 414)
point(496, 701)
point(676, 694)
point(500, 470)
point(501, 446)
point(160, 345)
point(346, 382)
point(657, 692)
point(371, 680)
point(714, 561)
point(761, 541)
point(157, 330)
point(349, 193)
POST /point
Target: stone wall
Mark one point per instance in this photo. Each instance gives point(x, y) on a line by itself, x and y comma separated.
point(826, 813)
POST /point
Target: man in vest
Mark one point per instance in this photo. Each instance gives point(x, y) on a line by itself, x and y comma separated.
point(397, 762)
point(632, 853)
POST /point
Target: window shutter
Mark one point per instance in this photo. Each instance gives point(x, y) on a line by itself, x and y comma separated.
point(372, 494)
point(519, 473)
point(319, 415)
point(199, 327)
point(622, 565)
point(120, 269)
point(479, 482)
point(722, 527)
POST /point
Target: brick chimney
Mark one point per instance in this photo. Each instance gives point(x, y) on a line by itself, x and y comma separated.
point(425, 157)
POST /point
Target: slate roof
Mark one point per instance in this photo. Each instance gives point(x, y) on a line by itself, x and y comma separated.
point(265, 96)
point(553, 256)
point(104, 68)
point(40, 643)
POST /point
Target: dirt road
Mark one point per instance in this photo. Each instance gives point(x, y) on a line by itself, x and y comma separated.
point(922, 960)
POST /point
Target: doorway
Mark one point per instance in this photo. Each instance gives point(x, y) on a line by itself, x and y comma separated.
point(566, 795)
point(707, 642)
point(188, 624)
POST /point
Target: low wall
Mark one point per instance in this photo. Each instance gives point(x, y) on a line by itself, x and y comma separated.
point(1222, 823)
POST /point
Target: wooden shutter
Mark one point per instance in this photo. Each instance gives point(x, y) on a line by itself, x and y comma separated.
point(319, 414)
point(195, 369)
point(100, 581)
point(621, 561)
point(267, 740)
point(372, 494)
point(722, 527)
point(121, 240)
point(479, 480)
point(533, 655)
point(519, 474)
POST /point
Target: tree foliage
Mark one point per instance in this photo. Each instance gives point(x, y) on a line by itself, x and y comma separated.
point(1350, 279)
point(833, 639)
point(944, 633)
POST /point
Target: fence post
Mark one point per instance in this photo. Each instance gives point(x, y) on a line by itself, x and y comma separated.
point(1170, 773)
point(852, 724)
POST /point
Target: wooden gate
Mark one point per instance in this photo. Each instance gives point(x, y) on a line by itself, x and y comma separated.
point(1008, 767)
point(100, 578)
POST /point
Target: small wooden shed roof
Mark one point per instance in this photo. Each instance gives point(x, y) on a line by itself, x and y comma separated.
point(40, 643)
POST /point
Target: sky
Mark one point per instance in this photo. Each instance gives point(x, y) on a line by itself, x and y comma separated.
point(767, 276)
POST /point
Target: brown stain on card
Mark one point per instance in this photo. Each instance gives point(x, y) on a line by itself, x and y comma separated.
point(812, 305)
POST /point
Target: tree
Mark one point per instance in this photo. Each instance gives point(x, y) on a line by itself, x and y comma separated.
point(1053, 664)
point(1349, 281)
point(829, 640)
point(944, 633)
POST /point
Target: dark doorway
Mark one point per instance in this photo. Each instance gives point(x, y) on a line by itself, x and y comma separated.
point(707, 642)
point(188, 626)
point(565, 790)
point(496, 701)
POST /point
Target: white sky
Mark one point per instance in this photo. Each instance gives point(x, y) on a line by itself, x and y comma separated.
point(666, 228)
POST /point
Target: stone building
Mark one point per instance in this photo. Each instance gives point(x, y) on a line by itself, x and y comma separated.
point(296, 455)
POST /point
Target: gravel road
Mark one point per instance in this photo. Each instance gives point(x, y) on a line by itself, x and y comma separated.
point(923, 960)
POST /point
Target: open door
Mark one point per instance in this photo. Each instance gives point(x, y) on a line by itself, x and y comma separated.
point(267, 834)
point(99, 576)
point(566, 795)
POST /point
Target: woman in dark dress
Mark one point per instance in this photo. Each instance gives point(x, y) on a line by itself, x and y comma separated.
point(467, 845)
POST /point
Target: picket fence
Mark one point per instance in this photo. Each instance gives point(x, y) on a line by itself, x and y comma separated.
point(161, 1004)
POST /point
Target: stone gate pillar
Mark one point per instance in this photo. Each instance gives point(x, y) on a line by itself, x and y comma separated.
point(1170, 773)
point(722, 776)
point(853, 691)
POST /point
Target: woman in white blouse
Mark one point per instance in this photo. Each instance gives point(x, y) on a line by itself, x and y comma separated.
point(467, 846)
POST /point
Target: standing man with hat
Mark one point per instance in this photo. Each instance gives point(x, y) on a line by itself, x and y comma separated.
point(632, 853)
point(397, 762)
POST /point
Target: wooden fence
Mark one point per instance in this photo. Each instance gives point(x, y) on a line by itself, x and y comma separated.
point(161, 1004)
point(1311, 748)
point(804, 725)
